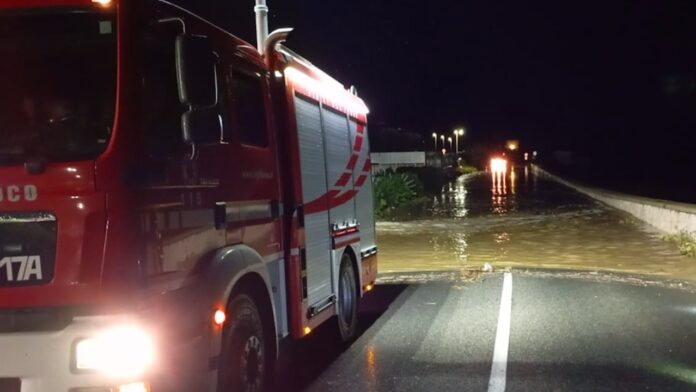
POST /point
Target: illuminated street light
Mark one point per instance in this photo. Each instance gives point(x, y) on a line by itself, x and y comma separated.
point(435, 140)
point(449, 139)
point(513, 145)
point(442, 137)
point(457, 133)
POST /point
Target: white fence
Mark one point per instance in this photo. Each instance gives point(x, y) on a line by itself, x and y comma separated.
point(382, 161)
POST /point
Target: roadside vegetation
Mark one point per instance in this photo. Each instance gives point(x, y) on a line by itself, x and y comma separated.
point(409, 188)
point(685, 241)
point(393, 190)
point(432, 179)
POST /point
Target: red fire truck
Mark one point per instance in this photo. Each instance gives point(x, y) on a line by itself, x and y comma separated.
point(174, 202)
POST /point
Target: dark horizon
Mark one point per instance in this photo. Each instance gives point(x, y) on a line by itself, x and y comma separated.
point(584, 76)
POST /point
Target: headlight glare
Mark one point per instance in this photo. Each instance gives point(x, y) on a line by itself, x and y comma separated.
point(119, 352)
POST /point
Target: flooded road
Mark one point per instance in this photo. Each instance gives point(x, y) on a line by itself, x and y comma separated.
point(524, 220)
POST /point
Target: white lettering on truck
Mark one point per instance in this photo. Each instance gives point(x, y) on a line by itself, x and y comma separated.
point(15, 193)
point(29, 267)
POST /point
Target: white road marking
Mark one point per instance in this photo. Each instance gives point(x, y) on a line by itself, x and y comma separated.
point(502, 338)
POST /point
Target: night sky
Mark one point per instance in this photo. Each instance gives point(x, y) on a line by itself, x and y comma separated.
point(599, 77)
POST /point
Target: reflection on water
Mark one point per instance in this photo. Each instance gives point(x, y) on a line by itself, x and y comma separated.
point(526, 175)
point(509, 221)
point(371, 364)
point(499, 183)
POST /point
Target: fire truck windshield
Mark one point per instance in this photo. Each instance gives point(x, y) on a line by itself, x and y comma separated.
point(58, 84)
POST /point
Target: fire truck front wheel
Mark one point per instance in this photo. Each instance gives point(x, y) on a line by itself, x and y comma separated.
point(347, 299)
point(243, 362)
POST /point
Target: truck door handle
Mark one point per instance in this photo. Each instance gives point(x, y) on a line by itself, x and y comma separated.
point(220, 215)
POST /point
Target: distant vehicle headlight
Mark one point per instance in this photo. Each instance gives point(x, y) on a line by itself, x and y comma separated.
point(498, 165)
point(120, 352)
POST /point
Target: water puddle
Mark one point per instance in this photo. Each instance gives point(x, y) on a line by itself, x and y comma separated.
point(523, 220)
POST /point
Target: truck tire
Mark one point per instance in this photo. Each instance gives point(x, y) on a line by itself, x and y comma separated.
point(244, 357)
point(347, 299)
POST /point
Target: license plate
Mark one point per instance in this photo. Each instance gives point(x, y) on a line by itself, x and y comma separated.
point(27, 248)
point(19, 270)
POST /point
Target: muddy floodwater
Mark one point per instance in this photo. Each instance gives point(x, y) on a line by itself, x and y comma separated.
point(522, 220)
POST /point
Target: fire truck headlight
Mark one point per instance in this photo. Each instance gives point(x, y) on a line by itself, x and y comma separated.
point(118, 352)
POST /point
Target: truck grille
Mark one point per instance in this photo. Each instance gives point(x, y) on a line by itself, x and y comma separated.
point(27, 248)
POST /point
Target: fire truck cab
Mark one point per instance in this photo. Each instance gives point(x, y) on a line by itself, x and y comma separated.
point(173, 203)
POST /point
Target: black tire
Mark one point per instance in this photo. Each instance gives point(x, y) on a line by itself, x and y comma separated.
point(244, 362)
point(347, 300)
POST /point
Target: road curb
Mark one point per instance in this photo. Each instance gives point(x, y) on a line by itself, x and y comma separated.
point(666, 216)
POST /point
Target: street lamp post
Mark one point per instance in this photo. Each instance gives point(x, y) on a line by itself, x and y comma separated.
point(457, 133)
point(449, 139)
point(456, 141)
point(442, 137)
point(435, 140)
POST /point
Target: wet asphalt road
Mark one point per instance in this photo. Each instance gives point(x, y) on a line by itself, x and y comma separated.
point(565, 334)
point(442, 326)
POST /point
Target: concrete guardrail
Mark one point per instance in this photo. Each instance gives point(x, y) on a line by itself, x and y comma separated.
point(667, 216)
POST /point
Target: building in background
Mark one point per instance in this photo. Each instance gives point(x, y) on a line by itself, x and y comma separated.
point(382, 161)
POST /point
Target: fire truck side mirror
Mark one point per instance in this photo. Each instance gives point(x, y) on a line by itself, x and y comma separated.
point(201, 126)
point(196, 74)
